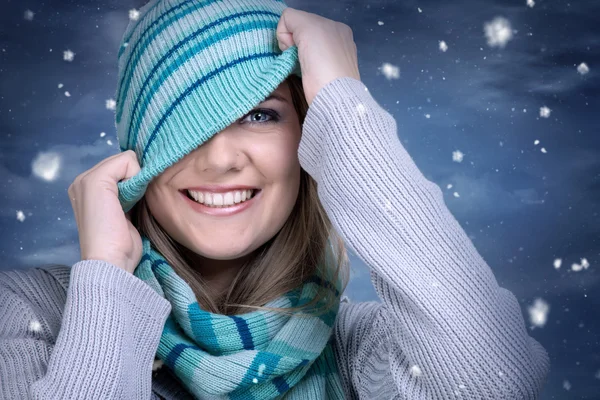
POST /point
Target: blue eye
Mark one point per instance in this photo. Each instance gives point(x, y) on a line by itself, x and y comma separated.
point(261, 111)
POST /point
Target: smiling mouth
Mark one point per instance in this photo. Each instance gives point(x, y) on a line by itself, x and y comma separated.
point(254, 192)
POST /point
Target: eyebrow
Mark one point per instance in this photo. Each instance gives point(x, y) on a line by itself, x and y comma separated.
point(276, 97)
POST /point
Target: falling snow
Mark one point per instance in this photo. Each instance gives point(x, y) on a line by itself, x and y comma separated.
point(583, 68)
point(457, 156)
point(498, 32)
point(361, 110)
point(443, 46)
point(111, 104)
point(578, 267)
point(35, 326)
point(134, 14)
point(538, 312)
point(68, 55)
point(46, 166)
point(545, 112)
point(28, 15)
point(390, 71)
point(557, 263)
point(530, 3)
point(20, 216)
point(415, 370)
point(156, 364)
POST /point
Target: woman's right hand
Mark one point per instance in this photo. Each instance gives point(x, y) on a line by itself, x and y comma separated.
point(105, 231)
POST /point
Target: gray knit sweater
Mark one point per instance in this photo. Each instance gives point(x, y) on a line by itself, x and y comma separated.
point(442, 329)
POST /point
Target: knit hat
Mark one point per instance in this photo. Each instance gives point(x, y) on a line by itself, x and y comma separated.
point(187, 70)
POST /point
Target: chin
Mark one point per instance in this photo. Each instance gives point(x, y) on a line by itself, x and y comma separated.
point(220, 252)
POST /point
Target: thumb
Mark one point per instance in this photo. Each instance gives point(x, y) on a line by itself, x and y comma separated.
point(284, 33)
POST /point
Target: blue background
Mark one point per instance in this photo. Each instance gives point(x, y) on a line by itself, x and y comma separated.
point(521, 207)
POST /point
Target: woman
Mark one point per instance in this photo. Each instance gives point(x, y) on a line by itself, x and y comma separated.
point(212, 259)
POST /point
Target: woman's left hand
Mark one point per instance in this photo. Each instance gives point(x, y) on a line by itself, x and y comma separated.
point(326, 48)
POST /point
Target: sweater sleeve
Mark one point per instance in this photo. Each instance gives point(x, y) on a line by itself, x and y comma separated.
point(444, 328)
point(101, 346)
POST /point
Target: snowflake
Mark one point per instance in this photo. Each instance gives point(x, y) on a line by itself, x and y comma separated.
point(156, 364)
point(538, 312)
point(390, 71)
point(443, 46)
point(578, 267)
point(457, 156)
point(20, 216)
point(557, 263)
point(28, 15)
point(361, 109)
point(545, 112)
point(498, 32)
point(415, 370)
point(134, 14)
point(46, 166)
point(68, 55)
point(111, 104)
point(35, 325)
point(530, 3)
point(583, 68)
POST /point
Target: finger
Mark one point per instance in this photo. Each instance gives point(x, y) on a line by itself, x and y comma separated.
point(119, 168)
point(104, 161)
point(284, 31)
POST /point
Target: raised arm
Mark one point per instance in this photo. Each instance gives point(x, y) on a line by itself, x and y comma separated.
point(444, 326)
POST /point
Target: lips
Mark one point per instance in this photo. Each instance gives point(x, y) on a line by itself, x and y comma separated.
point(186, 192)
point(221, 188)
point(220, 211)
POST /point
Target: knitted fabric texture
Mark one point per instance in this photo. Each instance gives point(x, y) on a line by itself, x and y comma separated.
point(186, 71)
point(257, 355)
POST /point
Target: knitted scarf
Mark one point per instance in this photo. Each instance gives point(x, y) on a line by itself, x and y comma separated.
point(256, 355)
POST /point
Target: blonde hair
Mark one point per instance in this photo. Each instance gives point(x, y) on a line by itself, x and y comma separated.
point(283, 263)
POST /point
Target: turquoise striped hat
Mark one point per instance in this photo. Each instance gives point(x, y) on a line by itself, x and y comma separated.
point(187, 70)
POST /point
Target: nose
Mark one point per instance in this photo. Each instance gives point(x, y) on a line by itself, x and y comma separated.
point(220, 153)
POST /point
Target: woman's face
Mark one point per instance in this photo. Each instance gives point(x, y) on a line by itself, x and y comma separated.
point(262, 155)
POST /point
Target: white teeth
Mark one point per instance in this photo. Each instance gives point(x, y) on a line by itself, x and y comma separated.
point(221, 199)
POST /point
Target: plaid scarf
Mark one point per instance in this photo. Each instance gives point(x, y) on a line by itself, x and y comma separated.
point(256, 355)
